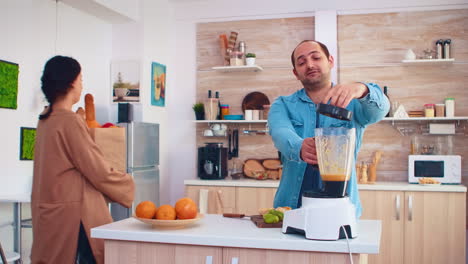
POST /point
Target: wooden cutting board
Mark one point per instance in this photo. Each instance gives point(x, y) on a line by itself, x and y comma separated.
point(255, 100)
point(260, 223)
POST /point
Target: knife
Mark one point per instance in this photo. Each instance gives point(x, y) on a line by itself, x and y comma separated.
point(235, 215)
point(229, 145)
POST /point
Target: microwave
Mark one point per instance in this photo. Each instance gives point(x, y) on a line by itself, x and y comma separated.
point(443, 168)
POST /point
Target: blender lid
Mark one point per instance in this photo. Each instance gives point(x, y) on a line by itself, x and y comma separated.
point(334, 111)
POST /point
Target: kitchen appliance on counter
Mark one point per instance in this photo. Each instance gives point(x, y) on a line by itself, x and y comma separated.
point(328, 214)
point(142, 164)
point(212, 161)
point(445, 168)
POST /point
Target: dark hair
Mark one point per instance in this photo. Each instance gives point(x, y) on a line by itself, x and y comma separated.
point(58, 75)
point(322, 46)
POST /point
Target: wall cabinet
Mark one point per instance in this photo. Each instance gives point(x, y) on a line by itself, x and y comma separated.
point(417, 227)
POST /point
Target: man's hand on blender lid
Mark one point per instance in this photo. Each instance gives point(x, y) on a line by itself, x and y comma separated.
point(341, 94)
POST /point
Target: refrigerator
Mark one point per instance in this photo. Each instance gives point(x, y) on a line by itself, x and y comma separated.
point(142, 163)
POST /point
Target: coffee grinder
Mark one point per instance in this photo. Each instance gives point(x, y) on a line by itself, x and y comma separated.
point(329, 213)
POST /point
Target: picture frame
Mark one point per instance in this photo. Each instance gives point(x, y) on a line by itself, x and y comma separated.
point(27, 143)
point(158, 84)
point(9, 72)
point(125, 81)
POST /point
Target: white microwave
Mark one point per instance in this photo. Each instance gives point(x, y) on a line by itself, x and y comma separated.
point(443, 168)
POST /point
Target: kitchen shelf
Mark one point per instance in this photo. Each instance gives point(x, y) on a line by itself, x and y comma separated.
point(401, 124)
point(244, 68)
point(232, 121)
point(455, 118)
point(428, 61)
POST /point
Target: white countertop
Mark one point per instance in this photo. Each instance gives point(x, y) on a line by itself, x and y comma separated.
point(377, 186)
point(15, 198)
point(216, 230)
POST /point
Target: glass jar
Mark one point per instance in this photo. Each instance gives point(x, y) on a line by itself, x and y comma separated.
point(440, 110)
point(429, 110)
point(237, 58)
point(224, 110)
point(449, 107)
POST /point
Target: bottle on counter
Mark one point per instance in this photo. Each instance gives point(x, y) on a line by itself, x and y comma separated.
point(449, 107)
point(385, 91)
point(440, 49)
point(447, 44)
point(211, 107)
point(218, 116)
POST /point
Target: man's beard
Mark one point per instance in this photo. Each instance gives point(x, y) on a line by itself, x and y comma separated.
point(316, 84)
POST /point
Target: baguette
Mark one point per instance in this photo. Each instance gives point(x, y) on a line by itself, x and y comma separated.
point(90, 112)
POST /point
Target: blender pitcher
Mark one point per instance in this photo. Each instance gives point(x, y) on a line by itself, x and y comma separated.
point(335, 154)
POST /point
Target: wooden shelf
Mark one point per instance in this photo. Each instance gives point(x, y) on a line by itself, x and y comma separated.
point(245, 68)
point(428, 61)
point(404, 126)
point(231, 121)
point(455, 118)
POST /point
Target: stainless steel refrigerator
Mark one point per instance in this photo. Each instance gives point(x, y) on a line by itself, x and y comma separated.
point(142, 164)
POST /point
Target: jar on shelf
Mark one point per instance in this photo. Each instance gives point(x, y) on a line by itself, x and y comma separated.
point(224, 110)
point(237, 58)
point(449, 107)
point(440, 110)
point(429, 110)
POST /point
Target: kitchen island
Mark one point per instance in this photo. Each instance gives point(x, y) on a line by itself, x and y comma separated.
point(215, 239)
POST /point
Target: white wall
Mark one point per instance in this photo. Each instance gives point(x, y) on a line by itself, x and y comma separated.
point(28, 38)
point(157, 47)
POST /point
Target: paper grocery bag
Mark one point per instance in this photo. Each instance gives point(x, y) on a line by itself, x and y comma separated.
point(113, 146)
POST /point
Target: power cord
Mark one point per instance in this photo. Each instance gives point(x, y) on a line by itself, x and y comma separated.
point(349, 249)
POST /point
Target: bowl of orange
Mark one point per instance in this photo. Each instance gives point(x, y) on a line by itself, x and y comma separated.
point(184, 213)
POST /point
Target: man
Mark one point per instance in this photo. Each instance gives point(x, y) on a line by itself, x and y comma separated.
point(293, 119)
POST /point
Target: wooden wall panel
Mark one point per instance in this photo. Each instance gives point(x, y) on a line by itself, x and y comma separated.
point(272, 40)
point(371, 47)
point(385, 37)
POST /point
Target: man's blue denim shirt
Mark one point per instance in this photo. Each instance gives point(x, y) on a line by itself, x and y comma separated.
point(293, 118)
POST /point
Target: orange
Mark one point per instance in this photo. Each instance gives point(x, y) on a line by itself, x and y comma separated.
point(166, 212)
point(146, 209)
point(186, 208)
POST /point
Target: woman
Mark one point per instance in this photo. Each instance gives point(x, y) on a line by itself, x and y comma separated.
point(71, 178)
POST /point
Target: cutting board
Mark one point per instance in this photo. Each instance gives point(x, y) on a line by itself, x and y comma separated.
point(260, 223)
point(255, 100)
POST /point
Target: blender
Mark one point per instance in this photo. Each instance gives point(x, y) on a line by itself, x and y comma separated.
point(327, 214)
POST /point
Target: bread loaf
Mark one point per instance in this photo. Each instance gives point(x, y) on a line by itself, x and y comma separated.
point(271, 164)
point(252, 168)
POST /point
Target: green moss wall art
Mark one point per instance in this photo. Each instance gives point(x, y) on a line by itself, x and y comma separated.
point(8, 84)
point(27, 142)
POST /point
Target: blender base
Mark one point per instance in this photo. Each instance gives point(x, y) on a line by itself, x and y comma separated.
point(322, 219)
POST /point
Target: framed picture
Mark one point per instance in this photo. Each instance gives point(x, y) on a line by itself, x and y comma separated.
point(27, 142)
point(158, 84)
point(8, 84)
point(125, 81)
